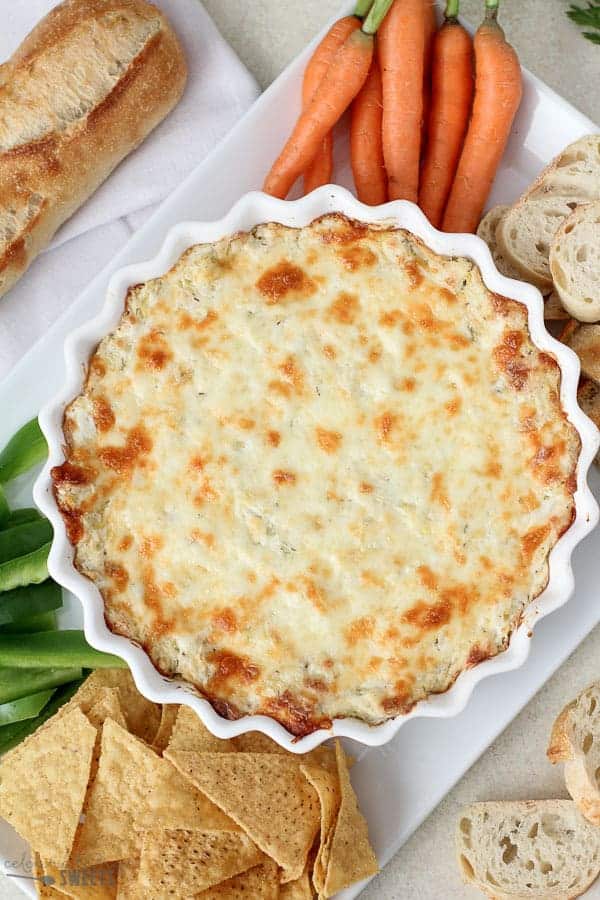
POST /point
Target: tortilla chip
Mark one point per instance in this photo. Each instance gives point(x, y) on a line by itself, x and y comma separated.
point(297, 890)
point(181, 863)
point(97, 883)
point(266, 794)
point(257, 742)
point(45, 891)
point(107, 706)
point(116, 799)
point(43, 785)
point(351, 857)
point(327, 786)
point(259, 883)
point(172, 802)
point(190, 733)
point(168, 714)
point(127, 880)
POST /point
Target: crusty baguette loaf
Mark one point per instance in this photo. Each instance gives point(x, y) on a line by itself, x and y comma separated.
point(575, 262)
point(585, 341)
point(575, 740)
point(537, 849)
point(85, 87)
point(525, 233)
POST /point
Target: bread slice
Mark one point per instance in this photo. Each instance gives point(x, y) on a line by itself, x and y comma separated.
point(554, 311)
point(588, 396)
point(575, 262)
point(575, 740)
point(487, 232)
point(585, 341)
point(525, 233)
point(536, 849)
point(574, 173)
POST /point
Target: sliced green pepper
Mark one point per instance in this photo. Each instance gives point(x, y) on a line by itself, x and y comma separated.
point(29, 569)
point(4, 509)
point(21, 516)
point(32, 624)
point(13, 734)
point(26, 448)
point(22, 539)
point(24, 708)
point(25, 602)
point(58, 649)
point(17, 683)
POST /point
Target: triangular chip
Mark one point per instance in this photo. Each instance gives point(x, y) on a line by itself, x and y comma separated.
point(107, 706)
point(116, 799)
point(190, 733)
point(135, 786)
point(351, 857)
point(256, 742)
point(168, 714)
point(297, 890)
point(266, 794)
point(127, 880)
point(327, 786)
point(43, 785)
point(97, 883)
point(43, 882)
point(142, 716)
point(181, 863)
point(259, 883)
point(172, 802)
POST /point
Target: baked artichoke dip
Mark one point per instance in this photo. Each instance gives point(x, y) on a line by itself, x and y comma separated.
point(317, 472)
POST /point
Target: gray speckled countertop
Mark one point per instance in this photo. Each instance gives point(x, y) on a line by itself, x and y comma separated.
point(267, 34)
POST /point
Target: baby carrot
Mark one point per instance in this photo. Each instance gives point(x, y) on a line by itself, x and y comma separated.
point(498, 91)
point(452, 94)
point(320, 170)
point(344, 79)
point(366, 150)
point(401, 43)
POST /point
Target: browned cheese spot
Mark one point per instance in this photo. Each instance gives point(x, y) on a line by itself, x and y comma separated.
point(344, 308)
point(104, 417)
point(281, 477)
point(329, 441)
point(124, 459)
point(285, 281)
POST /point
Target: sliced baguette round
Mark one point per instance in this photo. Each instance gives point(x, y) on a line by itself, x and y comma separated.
point(525, 234)
point(487, 232)
point(575, 262)
point(554, 311)
point(575, 172)
point(585, 341)
point(575, 738)
point(537, 849)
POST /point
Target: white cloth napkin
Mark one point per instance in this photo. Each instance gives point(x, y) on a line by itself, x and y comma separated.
point(218, 92)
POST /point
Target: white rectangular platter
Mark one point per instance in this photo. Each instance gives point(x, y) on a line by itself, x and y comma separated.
point(400, 784)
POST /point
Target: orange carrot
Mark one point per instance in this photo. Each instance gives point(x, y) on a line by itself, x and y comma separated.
point(430, 31)
point(344, 78)
point(366, 150)
point(320, 170)
point(452, 94)
point(401, 43)
point(498, 91)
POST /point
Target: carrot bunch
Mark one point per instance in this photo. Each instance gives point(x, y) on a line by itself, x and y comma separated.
point(431, 109)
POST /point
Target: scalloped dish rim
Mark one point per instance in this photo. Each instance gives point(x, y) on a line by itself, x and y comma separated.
point(252, 209)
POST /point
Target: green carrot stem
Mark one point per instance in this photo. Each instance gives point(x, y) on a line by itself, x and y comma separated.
point(451, 9)
point(491, 10)
point(362, 8)
point(376, 16)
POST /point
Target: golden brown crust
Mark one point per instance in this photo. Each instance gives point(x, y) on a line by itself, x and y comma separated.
point(59, 171)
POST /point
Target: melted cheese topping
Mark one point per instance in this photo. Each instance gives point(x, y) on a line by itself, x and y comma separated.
point(317, 472)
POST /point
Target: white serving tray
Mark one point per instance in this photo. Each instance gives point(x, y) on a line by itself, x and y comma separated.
point(400, 784)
